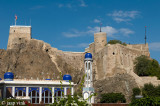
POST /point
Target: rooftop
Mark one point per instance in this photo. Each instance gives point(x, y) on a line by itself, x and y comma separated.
point(39, 82)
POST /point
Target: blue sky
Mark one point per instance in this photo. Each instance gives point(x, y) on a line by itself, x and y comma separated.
point(69, 25)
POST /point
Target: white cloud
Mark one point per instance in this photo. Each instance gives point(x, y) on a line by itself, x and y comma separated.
point(73, 33)
point(65, 5)
point(111, 31)
point(118, 20)
point(124, 16)
point(68, 5)
point(96, 21)
point(76, 3)
point(108, 29)
point(82, 3)
point(36, 7)
point(154, 46)
point(126, 31)
point(60, 5)
point(81, 45)
point(131, 14)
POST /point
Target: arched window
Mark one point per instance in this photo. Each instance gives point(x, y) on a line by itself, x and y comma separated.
point(47, 97)
point(34, 95)
point(20, 93)
point(57, 95)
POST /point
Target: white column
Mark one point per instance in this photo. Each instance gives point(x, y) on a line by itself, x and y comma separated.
point(85, 78)
point(72, 90)
point(91, 74)
point(40, 94)
point(65, 91)
point(87, 73)
point(13, 91)
point(52, 94)
point(27, 91)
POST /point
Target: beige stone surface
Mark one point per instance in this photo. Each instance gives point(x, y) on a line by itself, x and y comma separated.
point(18, 34)
point(113, 65)
point(100, 40)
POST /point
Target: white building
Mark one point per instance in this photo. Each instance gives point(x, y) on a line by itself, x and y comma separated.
point(36, 91)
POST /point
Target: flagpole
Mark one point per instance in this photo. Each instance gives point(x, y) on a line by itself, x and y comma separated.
point(15, 21)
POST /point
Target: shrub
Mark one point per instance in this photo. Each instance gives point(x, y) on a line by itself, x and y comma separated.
point(149, 90)
point(136, 91)
point(71, 101)
point(112, 98)
point(117, 41)
point(147, 101)
point(157, 90)
point(150, 93)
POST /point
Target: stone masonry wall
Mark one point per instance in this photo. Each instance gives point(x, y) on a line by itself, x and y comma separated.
point(18, 34)
point(100, 40)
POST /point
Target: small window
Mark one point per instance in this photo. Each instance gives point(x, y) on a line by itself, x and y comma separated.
point(46, 50)
point(113, 53)
point(19, 38)
point(14, 30)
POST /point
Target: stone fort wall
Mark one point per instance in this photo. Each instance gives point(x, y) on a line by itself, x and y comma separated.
point(18, 34)
point(109, 60)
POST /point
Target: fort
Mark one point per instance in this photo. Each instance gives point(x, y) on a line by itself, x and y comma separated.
point(113, 65)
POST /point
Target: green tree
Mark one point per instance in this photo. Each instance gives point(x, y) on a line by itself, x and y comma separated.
point(146, 101)
point(112, 98)
point(136, 91)
point(146, 67)
point(142, 66)
point(149, 90)
point(117, 41)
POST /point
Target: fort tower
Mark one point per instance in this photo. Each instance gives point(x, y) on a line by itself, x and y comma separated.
point(18, 34)
point(100, 40)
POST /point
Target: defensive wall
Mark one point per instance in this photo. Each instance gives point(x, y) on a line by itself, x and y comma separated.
point(109, 60)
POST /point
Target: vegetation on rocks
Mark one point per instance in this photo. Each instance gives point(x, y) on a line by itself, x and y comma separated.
point(151, 96)
point(146, 67)
point(117, 41)
point(112, 98)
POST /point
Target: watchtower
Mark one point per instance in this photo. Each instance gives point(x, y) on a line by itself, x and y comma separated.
point(100, 40)
point(18, 34)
